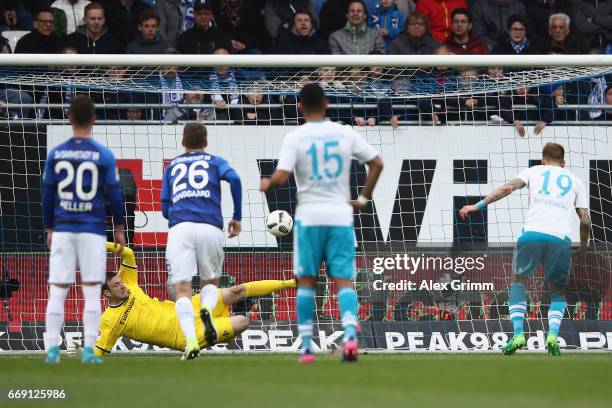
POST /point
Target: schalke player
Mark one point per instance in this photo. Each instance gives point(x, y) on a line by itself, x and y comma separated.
point(80, 176)
point(555, 193)
point(191, 201)
point(133, 314)
point(320, 152)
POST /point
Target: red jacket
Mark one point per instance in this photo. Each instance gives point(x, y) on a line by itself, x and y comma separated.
point(474, 46)
point(439, 12)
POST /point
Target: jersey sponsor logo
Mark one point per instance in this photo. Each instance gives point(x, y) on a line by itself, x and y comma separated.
point(127, 311)
point(84, 155)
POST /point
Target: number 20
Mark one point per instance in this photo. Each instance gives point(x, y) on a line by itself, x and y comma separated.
point(82, 195)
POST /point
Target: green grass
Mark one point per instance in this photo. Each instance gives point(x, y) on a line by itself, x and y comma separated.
point(270, 380)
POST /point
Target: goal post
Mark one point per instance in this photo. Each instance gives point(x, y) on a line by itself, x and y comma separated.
point(426, 280)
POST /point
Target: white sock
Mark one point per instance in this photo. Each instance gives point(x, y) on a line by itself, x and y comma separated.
point(91, 314)
point(209, 296)
point(54, 317)
point(186, 317)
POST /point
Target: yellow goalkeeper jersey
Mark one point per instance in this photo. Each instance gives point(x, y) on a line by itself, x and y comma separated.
point(150, 320)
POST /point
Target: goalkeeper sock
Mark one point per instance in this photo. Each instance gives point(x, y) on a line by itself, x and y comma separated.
point(91, 314)
point(265, 287)
point(518, 306)
point(305, 310)
point(555, 312)
point(347, 298)
point(186, 317)
point(209, 296)
point(54, 316)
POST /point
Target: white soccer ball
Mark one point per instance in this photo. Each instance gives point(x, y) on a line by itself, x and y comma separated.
point(279, 223)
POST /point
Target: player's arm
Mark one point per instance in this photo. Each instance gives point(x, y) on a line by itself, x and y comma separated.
point(364, 152)
point(115, 199)
point(286, 163)
point(49, 198)
point(106, 339)
point(128, 270)
point(585, 227)
point(165, 194)
point(497, 194)
point(230, 175)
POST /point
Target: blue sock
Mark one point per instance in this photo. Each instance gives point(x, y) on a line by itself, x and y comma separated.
point(347, 298)
point(556, 311)
point(518, 306)
point(305, 310)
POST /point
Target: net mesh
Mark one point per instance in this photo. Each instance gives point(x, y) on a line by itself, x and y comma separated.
point(431, 171)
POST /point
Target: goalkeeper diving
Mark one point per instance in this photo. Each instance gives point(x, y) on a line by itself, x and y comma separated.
point(135, 315)
point(555, 195)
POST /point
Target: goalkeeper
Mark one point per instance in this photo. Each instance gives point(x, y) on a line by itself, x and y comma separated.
point(133, 314)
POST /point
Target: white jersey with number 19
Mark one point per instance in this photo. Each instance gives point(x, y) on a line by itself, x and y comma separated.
point(320, 153)
point(554, 195)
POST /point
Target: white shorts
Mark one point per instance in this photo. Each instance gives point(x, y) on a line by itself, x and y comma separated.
point(194, 247)
point(69, 249)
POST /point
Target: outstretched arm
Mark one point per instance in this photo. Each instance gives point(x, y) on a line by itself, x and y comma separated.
point(497, 194)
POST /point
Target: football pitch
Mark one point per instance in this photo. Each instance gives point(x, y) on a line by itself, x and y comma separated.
point(271, 380)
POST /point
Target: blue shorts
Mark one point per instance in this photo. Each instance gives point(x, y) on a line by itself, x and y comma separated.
point(553, 253)
point(332, 244)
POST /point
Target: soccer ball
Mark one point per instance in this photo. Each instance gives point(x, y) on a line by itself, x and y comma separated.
point(279, 223)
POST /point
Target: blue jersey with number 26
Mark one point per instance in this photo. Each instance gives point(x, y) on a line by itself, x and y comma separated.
point(191, 189)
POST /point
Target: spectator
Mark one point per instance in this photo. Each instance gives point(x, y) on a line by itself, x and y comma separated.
point(356, 37)
point(491, 18)
point(561, 42)
point(224, 79)
point(606, 114)
point(243, 20)
point(405, 6)
point(42, 40)
point(148, 40)
point(172, 92)
point(332, 16)
point(526, 98)
point(122, 17)
point(388, 19)
point(539, 11)
point(593, 18)
point(517, 40)
point(439, 12)
point(415, 39)
point(279, 14)
point(203, 38)
point(256, 114)
point(14, 16)
point(5, 47)
point(196, 113)
point(461, 41)
point(74, 10)
point(93, 37)
point(16, 97)
point(303, 38)
point(172, 18)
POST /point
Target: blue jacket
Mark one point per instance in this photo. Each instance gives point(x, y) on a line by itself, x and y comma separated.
point(392, 18)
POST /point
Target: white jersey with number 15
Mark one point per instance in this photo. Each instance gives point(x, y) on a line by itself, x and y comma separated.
point(320, 153)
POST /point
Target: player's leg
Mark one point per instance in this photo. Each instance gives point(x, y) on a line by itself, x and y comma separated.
point(209, 255)
point(234, 294)
point(181, 258)
point(340, 257)
point(307, 255)
point(527, 256)
point(92, 264)
point(62, 269)
point(556, 271)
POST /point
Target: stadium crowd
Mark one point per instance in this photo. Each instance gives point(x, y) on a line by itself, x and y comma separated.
point(318, 27)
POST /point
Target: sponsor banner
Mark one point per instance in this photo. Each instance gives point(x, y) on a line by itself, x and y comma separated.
point(432, 336)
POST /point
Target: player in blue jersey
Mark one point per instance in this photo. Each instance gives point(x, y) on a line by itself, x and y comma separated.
point(80, 178)
point(191, 201)
point(556, 195)
point(319, 153)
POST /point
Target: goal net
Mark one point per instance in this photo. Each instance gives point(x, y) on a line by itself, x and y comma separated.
point(449, 130)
